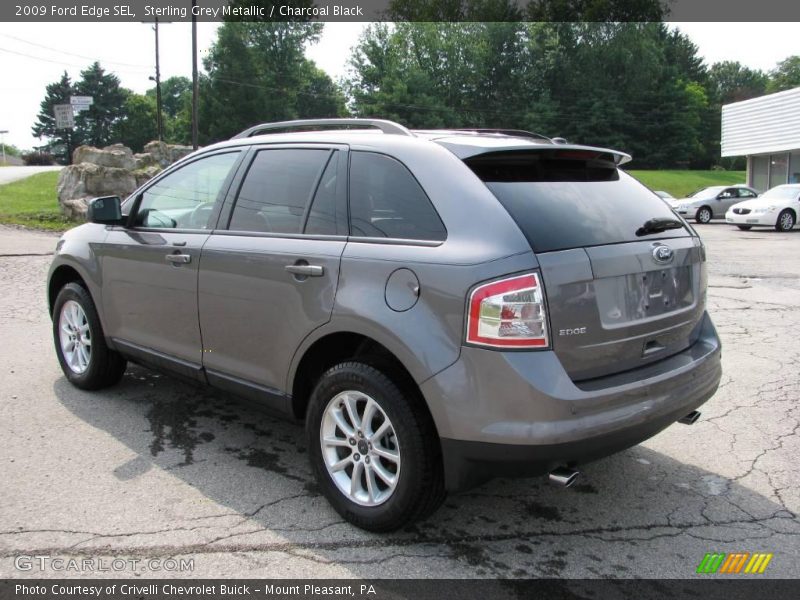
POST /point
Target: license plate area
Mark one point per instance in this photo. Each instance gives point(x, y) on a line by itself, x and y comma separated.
point(639, 296)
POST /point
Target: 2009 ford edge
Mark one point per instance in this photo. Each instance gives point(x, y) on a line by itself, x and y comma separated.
point(439, 307)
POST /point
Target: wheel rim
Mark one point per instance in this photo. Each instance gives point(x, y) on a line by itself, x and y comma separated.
point(75, 337)
point(705, 215)
point(786, 221)
point(360, 448)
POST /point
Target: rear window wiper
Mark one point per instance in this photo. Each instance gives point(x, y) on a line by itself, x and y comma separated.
point(658, 225)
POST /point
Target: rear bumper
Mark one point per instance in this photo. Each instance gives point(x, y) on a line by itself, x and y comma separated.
point(519, 414)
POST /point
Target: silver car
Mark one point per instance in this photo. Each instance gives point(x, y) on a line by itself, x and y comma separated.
point(712, 202)
point(438, 307)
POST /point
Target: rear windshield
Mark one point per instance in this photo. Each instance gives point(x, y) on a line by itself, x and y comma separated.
point(571, 199)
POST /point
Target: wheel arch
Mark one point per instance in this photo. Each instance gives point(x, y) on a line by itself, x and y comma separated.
point(61, 276)
point(699, 208)
point(331, 348)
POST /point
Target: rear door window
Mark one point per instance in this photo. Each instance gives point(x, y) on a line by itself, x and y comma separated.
point(279, 188)
point(571, 199)
point(386, 201)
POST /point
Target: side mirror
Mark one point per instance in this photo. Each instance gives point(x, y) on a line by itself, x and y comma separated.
point(105, 211)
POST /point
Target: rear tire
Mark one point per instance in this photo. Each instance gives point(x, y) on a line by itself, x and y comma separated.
point(363, 423)
point(703, 215)
point(85, 359)
point(785, 221)
point(745, 227)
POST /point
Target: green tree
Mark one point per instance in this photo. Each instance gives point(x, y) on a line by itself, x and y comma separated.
point(730, 81)
point(97, 124)
point(785, 76)
point(137, 126)
point(573, 80)
point(176, 109)
point(61, 142)
point(258, 72)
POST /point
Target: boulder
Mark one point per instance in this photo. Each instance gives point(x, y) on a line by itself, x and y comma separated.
point(146, 174)
point(144, 160)
point(166, 154)
point(111, 171)
point(77, 184)
point(117, 156)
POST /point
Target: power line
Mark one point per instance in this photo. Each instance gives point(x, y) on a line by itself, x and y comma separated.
point(110, 62)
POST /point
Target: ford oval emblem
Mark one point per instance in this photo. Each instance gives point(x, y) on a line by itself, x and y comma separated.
point(663, 254)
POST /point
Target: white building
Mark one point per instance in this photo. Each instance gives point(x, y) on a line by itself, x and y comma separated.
point(767, 131)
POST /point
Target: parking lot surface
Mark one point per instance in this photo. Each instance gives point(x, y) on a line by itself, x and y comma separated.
point(155, 469)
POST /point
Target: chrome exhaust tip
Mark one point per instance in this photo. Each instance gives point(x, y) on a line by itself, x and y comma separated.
point(690, 418)
point(562, 476)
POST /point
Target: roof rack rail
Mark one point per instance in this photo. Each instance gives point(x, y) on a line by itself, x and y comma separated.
point(512, 132)
point(389, 127)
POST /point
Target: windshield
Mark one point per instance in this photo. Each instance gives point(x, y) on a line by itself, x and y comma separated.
point(562, 203)
point(708, 192)
point(781, 193)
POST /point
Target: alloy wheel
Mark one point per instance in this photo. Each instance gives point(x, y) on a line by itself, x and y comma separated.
point(360, 448)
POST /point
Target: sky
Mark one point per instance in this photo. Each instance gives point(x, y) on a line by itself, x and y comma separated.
point(33, 55)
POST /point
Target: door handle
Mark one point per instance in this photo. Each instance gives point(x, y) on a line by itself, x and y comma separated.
point(306, 270)
point(179, 259)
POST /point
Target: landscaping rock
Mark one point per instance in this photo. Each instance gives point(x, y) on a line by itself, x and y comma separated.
point(77, 184)
point(117, 156)
point(111, 171)
point(166, 154)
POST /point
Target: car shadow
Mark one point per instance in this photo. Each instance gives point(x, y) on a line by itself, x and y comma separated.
point(256, 467)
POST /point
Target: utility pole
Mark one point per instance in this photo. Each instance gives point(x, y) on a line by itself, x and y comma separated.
point(3, 132)
point(159, 120)
point(195, 86)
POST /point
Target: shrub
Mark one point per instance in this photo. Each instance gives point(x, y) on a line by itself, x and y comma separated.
point(38, 159)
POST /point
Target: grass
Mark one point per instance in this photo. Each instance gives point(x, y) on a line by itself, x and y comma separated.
point(32, 202)
point(682, 183)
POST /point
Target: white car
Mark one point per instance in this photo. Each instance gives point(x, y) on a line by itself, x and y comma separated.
point(776, 208)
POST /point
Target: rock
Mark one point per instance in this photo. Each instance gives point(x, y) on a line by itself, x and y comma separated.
point(77, 184)
point(145, 160)
point(146, 174)
point(166, 154)
point(117, 156)
point(111, 171)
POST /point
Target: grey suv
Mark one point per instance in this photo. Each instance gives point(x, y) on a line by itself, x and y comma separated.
point(439, 307)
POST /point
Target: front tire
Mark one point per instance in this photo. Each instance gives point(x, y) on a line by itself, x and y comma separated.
point(373, 448)
point(85, 359)
point(703, 215)
point(785, 221)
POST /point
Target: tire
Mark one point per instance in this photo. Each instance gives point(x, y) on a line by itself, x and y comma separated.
point(75, 317)
point(418, 476)
point(703, 215)
point(785, 221)
point(745, 227)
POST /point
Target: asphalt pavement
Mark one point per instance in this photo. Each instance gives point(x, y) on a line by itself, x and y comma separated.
point(9, 174)
point(155, 469)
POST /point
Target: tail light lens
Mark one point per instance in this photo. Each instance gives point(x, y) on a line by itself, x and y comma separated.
point(509, 313)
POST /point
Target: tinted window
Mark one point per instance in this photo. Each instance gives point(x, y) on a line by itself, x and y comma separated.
point(386, 201)
point(322, 216)
point(277, 189)
point(186, 197)
point(562, 203)
point(746, 193)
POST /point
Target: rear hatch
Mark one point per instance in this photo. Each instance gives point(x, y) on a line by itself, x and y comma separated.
point(624, 277)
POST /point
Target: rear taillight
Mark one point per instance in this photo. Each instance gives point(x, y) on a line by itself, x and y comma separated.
point(508, 313)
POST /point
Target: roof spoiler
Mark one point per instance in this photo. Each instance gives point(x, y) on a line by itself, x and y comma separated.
point(465, 152)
